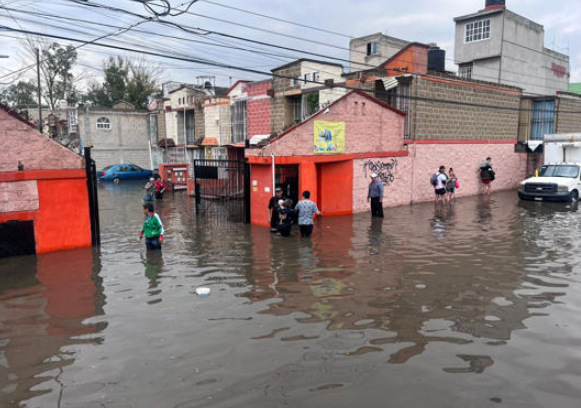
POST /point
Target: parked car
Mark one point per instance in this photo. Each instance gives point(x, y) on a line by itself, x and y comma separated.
point(554, 182)
point(119, 172)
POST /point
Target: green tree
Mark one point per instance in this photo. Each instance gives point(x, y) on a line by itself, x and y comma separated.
point(20, 95)
point(143, 82)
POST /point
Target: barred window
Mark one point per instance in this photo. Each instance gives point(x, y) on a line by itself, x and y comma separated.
point(477, 31)
point(103, 123)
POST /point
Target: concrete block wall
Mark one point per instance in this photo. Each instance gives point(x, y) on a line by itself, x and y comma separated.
point(19, 196)
point(436, 120)
point(258, 108)
point(280, 120)
point(567, 122)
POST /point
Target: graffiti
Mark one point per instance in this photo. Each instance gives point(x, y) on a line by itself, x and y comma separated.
point(385, 170)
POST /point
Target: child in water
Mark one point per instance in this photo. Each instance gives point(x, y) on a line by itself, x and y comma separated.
point(286, 214)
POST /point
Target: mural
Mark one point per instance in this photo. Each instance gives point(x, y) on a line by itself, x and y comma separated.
point(329, 137)
point(385, 170)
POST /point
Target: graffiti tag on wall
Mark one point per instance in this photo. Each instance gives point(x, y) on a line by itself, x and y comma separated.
point(385, 170)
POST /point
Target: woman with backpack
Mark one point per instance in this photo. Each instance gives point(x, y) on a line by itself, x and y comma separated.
point(487, 176)
point(452, 185)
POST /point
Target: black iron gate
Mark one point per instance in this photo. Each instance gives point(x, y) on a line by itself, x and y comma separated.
point(91, 171)
point(222, 189)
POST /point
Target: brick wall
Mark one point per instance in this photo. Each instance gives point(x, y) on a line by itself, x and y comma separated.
point(280, 118)
point(258, 109)
point(566, 121)
point(435, 120)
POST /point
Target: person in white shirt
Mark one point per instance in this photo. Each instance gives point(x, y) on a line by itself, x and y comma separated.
point(440, 187)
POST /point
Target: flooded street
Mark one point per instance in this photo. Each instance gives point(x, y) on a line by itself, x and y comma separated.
point(473, 305)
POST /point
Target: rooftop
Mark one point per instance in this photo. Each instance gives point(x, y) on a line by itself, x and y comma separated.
point(299, 61)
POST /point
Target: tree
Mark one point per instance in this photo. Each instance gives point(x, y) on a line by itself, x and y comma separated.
point(56, 66)
point(20, 95)
point(143, 82)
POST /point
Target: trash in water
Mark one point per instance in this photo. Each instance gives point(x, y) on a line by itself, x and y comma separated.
point(203, 291)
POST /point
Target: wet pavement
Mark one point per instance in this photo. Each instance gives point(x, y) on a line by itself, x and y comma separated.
point(472, 305)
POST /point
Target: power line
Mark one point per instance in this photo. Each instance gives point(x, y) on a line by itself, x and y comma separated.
point(221, 65)
point(279, 19)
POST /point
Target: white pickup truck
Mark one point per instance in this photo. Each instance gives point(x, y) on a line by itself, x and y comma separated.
point(555, 182)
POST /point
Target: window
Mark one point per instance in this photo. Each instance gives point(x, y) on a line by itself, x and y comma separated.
point(465, 71)
point(292, 82)
point(307, 78)
point(316, 76)
point(477, 31)
point(543, 119)
point(103, 123)
point(221, 153)
point(559, 171)
point(372, 48)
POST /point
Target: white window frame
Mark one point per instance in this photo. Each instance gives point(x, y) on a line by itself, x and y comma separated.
point(316, 76)
point(307, 78)
point(477, 31)
point(292, 82)
point(103, 123)
point(466, 71)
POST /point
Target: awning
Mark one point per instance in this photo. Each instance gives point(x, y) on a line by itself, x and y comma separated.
point(390, 83)
point(210, 141)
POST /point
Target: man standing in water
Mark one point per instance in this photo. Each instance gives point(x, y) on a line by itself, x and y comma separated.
point(274, 208)
point(306, 209)
point(487, 176)
point(376, 196)
point(152, 228)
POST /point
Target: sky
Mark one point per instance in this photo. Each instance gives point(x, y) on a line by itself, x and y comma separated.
point(424, 21)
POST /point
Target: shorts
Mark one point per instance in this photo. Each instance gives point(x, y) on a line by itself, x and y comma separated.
point(487, 182)
point(451, 190)
point(440, 191)
point(152, 244)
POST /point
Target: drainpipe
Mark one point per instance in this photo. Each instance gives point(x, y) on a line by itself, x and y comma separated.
point(273, 174)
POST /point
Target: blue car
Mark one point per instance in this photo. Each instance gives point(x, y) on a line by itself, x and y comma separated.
point(119, 172)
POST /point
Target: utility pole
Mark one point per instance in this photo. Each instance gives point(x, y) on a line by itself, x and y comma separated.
point(39, 91)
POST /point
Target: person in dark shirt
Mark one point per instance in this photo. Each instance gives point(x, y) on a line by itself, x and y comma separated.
point(286, 214)
point(375, 195)
point(274, 208)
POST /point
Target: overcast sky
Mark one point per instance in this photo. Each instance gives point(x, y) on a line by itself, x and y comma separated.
point(415, 20)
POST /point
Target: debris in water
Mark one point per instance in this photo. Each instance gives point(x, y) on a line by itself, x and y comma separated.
point(203, 291)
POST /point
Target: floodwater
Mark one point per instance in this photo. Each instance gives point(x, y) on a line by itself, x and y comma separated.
point(473, 305)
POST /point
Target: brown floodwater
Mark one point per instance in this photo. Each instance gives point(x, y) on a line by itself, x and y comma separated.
point(473, 305)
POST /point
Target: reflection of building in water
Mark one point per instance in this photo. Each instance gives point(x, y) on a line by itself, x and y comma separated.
point(42, 317)
point(401, 280)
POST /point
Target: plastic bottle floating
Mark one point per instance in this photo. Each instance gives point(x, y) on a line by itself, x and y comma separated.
point(202, 291)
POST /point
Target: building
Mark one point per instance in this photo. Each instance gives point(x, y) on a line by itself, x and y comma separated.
point(372, 50)
point(298, 91)
point(575, 88)
point(498, 45)
point(118, 135)
point(44, 203)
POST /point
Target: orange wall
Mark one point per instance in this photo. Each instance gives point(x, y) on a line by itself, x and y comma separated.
point(262, 177)
point(335, 187)
point(63, 220)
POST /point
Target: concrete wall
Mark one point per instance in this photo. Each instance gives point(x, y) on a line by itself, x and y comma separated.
point(217, 119)
point(369, 127)
point(568, 115)
point(388, 46)
point(435, 120)
point(127, 141)
point(408, 177)
point(516, 47)
point(258, 108)
point(325, 71)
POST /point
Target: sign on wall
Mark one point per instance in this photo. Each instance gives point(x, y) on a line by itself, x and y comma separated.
point(329, 137)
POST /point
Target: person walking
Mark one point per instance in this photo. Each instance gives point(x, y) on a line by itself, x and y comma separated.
point(375, 195)
point(451, 185)
point(487, 176)
point(149, 190)
point(440, 186)
point(306, 210)
point(273, 208)
point(152, 228)
point(286, 214)
point(159, 188)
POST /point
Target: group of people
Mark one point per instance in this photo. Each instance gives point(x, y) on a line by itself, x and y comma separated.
point(152, 228)
point(446, 184)
point(154, 189)
point(283, 216)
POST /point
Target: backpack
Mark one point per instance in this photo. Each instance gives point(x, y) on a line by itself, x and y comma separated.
point(434, 179)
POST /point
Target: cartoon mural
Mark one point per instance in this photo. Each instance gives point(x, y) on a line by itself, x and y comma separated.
point(329, 137)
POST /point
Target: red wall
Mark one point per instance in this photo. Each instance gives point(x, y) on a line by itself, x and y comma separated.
point(259, 198)
point(335, 186)
point(63, 221)
point(258, 110)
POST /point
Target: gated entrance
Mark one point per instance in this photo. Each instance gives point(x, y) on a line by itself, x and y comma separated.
point(287, 177)
point(222, 189)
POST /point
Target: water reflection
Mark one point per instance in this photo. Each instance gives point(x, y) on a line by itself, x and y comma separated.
point(44, 302)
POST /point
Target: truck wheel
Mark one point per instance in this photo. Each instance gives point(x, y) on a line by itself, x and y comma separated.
point(574, 196)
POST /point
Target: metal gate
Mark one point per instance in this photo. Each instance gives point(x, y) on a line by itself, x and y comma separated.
point(287, 177)
point(222, 189)
point(91, 172)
